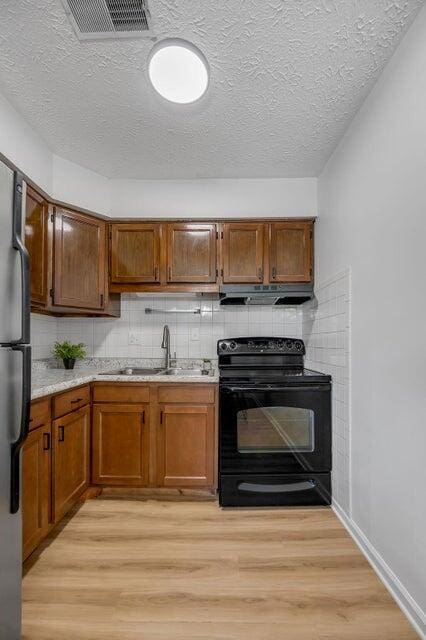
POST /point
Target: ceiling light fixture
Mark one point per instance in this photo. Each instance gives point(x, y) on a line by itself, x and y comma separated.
point(178, 71)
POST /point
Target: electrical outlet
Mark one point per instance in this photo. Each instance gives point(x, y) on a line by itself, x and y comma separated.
point(194, 334)
point(135, 337)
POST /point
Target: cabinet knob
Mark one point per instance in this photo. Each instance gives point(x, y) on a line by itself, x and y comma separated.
point(61, 433)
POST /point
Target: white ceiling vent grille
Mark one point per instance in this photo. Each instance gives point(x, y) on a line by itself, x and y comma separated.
point(100, 19)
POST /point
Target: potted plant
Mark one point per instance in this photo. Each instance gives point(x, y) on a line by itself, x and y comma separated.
point(69, 352)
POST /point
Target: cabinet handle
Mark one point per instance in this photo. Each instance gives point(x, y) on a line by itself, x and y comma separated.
point(170, 274)
point(274, 273)
point(102, 300)
point(260, 273)
point(61, 433)
point(161, 417)
point(76, 400)
point(46, 443)
point(143, 417)
point(156, 274)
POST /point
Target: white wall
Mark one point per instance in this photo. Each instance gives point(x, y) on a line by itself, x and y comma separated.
point(214, 198)
point(372, 210)
point(77, 185)
point(61, 179)
point(81, 187)
point(22, 146)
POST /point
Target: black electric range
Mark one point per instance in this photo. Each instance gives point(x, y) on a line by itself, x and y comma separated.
point(274, 425)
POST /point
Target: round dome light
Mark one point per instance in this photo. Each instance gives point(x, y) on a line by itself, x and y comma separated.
point(178, 71)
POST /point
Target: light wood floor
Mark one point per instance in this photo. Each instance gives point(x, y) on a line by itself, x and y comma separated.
point(135, 570)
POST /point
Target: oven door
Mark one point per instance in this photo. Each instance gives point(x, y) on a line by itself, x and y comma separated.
point(275, 429)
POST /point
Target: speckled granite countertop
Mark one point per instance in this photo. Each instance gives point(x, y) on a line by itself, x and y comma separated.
point(49, 381)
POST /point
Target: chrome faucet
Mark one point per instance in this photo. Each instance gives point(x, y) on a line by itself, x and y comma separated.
point(166, 344)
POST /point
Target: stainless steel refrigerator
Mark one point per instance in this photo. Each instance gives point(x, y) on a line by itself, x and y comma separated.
point(15, 393)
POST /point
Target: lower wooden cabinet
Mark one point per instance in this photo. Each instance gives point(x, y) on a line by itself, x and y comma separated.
point(36, 488)
point(185, 446)
point(154, 435)
point(71, 454)
point(120, 449)
point(140, 435)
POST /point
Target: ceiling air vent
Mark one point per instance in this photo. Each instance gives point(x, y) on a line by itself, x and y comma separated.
point(101, 19)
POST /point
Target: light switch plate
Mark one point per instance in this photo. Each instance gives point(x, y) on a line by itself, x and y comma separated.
point(135, 337)
point(194, 334)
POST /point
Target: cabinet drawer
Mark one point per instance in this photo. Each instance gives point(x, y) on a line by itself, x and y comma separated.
point(191, 393)
point(70, 401)
point(116, 392)
point(40, 414)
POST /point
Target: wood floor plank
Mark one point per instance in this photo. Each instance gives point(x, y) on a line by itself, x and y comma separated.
point(157, 570)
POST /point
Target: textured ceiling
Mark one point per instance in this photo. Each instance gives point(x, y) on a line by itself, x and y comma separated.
point(287, 76)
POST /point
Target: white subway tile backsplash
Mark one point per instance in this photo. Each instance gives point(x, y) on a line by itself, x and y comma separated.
point(110, 337)
point(326, 332)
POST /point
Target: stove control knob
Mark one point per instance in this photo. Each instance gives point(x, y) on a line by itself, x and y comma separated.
point(289, 344)
point(250, 344)
point(280, 344)
point(223, 346)
point(233, 345)
point(299, 346)
point(271, 344)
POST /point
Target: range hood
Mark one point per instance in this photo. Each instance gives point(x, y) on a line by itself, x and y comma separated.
point(266, 294)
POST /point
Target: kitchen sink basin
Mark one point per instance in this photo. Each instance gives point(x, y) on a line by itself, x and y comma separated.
point(185, 372)
point(130, 371)
point(175, 371)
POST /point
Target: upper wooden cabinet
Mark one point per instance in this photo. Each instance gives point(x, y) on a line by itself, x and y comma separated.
point(290, 251)
point(191, 252)
point(135, 253)
point(243, 252)
point(36, 241)
point(79, 260)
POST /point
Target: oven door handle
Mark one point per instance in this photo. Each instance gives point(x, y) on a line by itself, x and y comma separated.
point(290, 487)
point(283, 387)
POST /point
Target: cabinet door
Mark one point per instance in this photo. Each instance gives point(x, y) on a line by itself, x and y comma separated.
point(191, 252)
point(242, 250)
point(186, 446)
point(135, 253)
point(290, 251)
point(36, 488)
point(79, 263)
point(36, 241)
point(120, 451)
point(71, 441)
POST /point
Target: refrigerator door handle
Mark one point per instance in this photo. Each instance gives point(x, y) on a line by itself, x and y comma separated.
point(24, 426)
point(19, 245)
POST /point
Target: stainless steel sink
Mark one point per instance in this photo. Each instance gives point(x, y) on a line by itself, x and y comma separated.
point(130, 371)
point(185, 372)
point(175, 371)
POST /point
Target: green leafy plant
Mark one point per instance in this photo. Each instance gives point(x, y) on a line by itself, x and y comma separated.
point(68, 351)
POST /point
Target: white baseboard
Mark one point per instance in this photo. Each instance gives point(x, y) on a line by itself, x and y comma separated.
point(405, 601)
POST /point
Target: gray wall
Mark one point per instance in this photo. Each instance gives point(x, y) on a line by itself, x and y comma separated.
point(372, 218)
